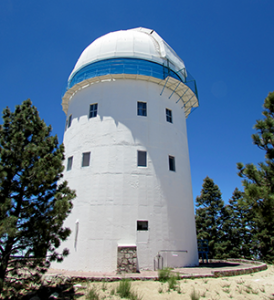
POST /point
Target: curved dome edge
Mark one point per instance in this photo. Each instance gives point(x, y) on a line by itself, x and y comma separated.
point(138, 42)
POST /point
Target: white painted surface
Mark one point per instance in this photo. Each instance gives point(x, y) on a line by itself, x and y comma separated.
point(140, 43)
point(113, 192)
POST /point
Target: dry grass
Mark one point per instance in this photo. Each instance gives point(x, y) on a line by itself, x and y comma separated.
point(258, 286)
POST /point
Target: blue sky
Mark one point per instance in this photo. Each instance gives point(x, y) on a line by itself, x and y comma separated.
point(227, 46)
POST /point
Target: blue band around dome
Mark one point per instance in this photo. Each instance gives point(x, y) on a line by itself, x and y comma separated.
point(122, 66)
point(129, 66)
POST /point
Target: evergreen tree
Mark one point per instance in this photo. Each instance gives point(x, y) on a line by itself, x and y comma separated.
point(258, 184)
point(238, 226)
point(33, 206)
point(209, 218)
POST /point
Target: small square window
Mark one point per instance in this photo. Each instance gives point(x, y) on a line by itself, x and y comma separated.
point(142, 109)
point(85, 159)
point(142, 158)
point(168, 115)
point(69, 164)
point(69, 121)
point(93, 110)
point(171, 160)
point(142, 225)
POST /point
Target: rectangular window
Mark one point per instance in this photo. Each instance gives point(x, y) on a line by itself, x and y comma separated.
point(171, 160)
point(142, 225)
point(142, 158)
point(69, 164)
point(93, 110)
point(86, 159)
point(142, 109)
point(168, 115)
point(69, 120)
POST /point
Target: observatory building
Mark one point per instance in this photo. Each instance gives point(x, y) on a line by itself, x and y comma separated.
point(126, 151)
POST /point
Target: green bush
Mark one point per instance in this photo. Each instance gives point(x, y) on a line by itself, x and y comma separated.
point(123, 289)
point(172, 283)
point(164, 274)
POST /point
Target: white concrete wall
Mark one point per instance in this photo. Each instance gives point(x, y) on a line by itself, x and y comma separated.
point(113, 192)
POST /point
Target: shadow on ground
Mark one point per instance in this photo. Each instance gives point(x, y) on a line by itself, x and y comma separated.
point(62, 291)
point(218, 265)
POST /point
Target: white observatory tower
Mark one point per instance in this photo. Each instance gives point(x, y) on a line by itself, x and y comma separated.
point(126, 149)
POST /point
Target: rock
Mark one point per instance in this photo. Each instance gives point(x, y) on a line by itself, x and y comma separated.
point(54, 296)
point(79, 286)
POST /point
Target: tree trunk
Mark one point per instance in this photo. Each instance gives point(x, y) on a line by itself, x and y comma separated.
point(4, 262)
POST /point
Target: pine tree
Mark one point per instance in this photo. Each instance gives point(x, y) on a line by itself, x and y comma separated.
point(209, 217)
point(33, 206)
point(238, 226)
point(258, 184)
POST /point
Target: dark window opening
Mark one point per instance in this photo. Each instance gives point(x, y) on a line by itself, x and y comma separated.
point(142, 109)
point(69, 164)
point(171, 160)
point(142, 225)
point(168, 115)
point(93, 110)
point(142, 158)
point(69, 120)
point(86, 159)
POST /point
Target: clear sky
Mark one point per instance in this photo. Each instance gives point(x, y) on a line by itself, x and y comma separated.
point(227, 46)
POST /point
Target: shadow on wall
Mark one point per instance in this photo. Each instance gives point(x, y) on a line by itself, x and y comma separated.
point(161, 139)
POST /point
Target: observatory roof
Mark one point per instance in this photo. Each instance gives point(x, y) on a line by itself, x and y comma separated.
point(135, 54)
point(139, 43)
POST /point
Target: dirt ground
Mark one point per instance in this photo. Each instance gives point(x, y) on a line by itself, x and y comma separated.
point(258, 285)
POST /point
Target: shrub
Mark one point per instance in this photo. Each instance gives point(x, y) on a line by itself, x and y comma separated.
point(164, 274)
point(123, 288)
point(172, 283)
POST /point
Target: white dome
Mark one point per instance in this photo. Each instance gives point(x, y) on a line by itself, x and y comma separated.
point(139, 43)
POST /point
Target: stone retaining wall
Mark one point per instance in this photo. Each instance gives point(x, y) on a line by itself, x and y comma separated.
point(257, 266)
point(126, 259)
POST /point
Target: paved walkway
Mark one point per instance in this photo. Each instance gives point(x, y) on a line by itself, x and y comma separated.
point(213, 269)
